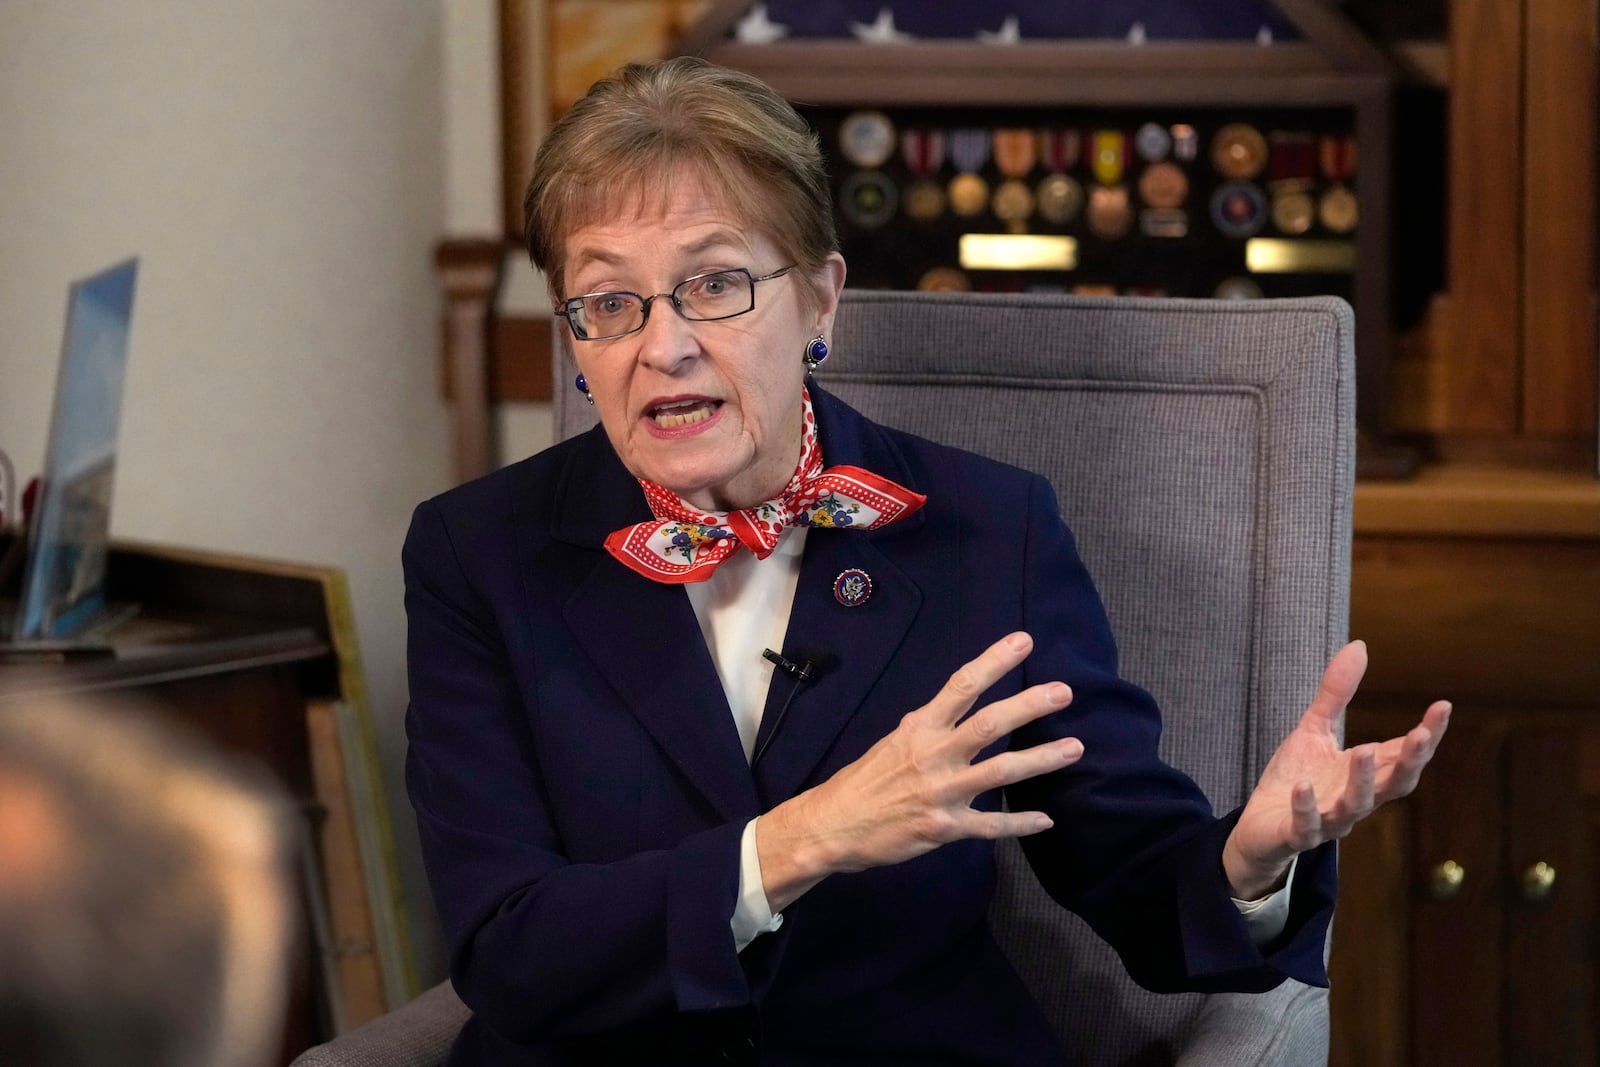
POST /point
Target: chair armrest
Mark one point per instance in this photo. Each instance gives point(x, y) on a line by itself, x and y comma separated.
point(1287, 1026)
point(418, 1034)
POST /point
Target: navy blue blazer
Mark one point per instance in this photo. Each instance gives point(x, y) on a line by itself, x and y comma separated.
point(580, 789)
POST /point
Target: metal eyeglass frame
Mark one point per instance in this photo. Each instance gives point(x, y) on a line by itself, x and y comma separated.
point(567, 309)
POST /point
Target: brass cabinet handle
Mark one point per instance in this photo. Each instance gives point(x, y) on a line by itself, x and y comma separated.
point(1538, 881)
point(1446, 879)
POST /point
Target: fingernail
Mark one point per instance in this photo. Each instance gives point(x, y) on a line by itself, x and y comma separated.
point(1017, 642)
point(1042, 822)
point(1057, 694)
point(1071, 749)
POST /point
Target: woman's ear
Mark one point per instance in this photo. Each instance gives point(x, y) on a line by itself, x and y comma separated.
point(828, 283)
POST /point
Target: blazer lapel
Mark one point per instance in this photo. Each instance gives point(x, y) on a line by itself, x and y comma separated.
point(854, 645)
point(644, 639)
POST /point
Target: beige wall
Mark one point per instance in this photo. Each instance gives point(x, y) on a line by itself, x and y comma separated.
point(279, 168)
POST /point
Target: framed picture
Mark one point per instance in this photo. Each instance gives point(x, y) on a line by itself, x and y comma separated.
point(551, 51)
point(63, 586)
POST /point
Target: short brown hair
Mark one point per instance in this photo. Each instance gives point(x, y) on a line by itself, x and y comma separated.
point(635, 130)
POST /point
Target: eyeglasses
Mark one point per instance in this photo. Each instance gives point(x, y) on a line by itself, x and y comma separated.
point(718, 294)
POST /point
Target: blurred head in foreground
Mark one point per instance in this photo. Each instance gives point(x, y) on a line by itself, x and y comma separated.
point(144, 895)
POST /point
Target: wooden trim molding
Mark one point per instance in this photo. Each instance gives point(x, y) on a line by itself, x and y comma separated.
point(525, 76)
point(519, 358)
point(516, 100)
point(1482, 501)
point(517, 361)
point(1481, 371)
point(1559, 220)
point(468, 272)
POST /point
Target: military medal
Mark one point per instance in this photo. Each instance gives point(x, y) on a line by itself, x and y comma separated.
point(923, 151)
point(1237, 289)
point(1013, 203)
point(1059, 197)
point(1292, 211)
point(969, 151)
point(868, 198)
point(1110, 214)
point(969, 194)
point(1163, 188)
point(866, 138)
point(1291, 167)
point(1059, 149)
point(944, 280)
point(1152, 142)
point(1163, 185)
point(1185, 142)
point(1109, 155)
point(924, 200)
point(1238, 151)
point(1015, 152)
point(1239, 209)
point(1338, 210)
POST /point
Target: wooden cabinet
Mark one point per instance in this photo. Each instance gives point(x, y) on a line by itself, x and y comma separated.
point(1506, 362)
point(1468, 916)
point(1467, 920)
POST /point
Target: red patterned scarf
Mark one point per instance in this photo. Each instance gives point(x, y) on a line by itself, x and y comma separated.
point(684, 544)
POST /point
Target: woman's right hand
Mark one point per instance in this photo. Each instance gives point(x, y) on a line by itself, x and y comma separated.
point(913, 790)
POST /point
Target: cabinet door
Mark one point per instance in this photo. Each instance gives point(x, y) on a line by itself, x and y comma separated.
point(1456, 895)
point(1548, 888)
point(1467, 918)
point(1417, 957)
point(1369, 967)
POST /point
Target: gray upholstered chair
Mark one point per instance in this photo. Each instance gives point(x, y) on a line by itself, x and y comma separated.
point(1203, 453)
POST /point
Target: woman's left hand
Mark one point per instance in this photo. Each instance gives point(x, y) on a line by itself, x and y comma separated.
point(1314, 790)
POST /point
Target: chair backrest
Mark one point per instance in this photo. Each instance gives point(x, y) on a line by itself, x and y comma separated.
point(1203, 452)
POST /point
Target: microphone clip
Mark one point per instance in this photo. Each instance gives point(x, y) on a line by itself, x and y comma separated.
point(803, 671)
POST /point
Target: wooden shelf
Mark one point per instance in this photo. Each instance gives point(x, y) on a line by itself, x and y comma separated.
point(1481, 500)
point(1086, 73)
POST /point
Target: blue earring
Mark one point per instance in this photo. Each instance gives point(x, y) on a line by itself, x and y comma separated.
point(816, 352)
point(583, 387)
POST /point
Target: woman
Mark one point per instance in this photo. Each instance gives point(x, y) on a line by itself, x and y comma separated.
point(651, 843)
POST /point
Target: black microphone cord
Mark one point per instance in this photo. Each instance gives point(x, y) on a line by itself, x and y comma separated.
point(802, 673)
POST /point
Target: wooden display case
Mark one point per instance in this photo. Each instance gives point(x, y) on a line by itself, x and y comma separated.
point(1469, 914)
point(1330, 82)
